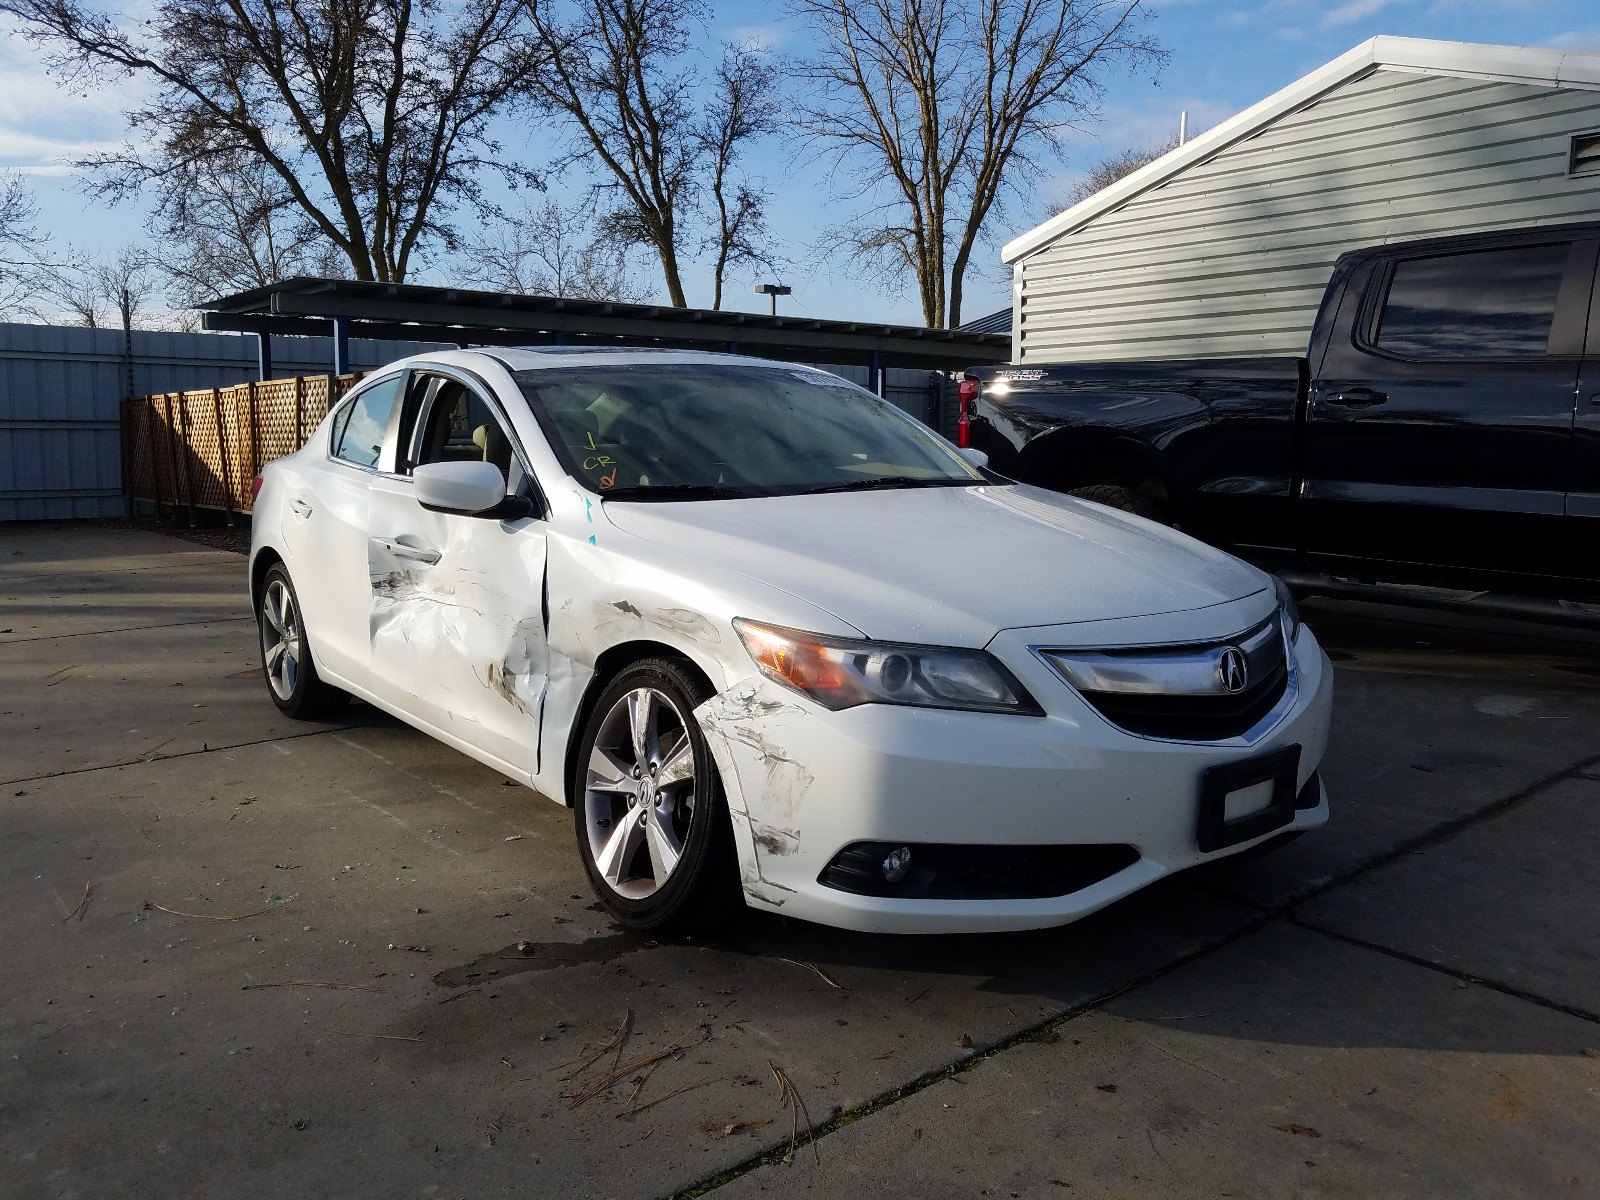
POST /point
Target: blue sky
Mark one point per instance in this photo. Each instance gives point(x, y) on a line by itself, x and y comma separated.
point(1224, 57)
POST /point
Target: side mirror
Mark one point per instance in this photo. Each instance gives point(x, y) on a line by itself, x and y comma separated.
point(976, 457)
point(460, 487)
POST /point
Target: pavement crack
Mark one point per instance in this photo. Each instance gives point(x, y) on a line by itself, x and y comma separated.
point(886, 1099)
point(1415, 960)
point(208, 749)
point(53, 637)
point(1421, 841)
point(1265, 916)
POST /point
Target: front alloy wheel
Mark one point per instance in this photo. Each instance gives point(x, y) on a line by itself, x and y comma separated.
point(651, 818)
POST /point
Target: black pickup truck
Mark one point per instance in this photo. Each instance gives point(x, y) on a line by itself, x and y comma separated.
point(1442, 429)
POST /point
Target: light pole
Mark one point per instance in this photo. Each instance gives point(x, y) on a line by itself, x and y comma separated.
point(774, 290)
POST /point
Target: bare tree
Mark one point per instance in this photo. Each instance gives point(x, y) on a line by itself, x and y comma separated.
point(20, 242)
point(936, 108)
point(372, 114)
point(1112, 168)
point(744, 109)
point(223, 227)
point(553, 251)
point(96, 290)
point(616, 70)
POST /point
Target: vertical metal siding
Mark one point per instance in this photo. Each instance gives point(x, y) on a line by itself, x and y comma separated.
point(1231, 256)
point(60, 449)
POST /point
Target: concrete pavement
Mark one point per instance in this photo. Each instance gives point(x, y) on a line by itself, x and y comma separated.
point(382, 971)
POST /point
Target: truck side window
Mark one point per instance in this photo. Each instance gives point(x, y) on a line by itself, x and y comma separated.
point(1479, 304)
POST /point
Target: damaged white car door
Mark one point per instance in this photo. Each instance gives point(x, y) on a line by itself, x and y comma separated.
point(456, 619)
point(325, 522)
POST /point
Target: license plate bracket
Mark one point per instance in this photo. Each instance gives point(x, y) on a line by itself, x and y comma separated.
point(1281, 768)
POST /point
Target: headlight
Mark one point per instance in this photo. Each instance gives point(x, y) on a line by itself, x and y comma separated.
point(1291, 611)
point(842, 672)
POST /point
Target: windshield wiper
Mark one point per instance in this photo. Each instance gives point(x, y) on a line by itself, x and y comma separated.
point(677, 491)
point(887, 481)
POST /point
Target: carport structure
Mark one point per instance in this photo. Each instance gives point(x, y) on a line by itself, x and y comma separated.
point(348, 309)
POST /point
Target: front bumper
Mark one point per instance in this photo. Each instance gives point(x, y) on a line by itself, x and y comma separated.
point(804, 782)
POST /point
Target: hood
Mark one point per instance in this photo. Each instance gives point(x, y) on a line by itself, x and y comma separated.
point(949, 566)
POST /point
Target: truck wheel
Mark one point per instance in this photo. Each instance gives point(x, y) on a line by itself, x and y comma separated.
point(1126, 499)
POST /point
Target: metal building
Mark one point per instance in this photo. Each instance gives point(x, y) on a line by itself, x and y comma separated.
point(1223, 246)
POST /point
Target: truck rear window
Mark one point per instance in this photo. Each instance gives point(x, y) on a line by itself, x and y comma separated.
point(1480, 304)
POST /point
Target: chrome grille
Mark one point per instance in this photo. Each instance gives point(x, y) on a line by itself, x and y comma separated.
point(1182, 692)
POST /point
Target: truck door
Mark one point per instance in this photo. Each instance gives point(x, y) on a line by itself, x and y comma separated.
point(1583, 488)
point(1439, 425)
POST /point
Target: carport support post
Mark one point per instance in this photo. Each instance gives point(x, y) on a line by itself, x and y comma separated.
point(341, 345)
point(874, 374)
point(264, 356)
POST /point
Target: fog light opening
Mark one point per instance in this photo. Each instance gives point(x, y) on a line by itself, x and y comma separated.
point(897, 863)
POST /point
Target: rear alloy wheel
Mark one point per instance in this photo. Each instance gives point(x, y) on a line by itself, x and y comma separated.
point(651, 818)
point(286, 660)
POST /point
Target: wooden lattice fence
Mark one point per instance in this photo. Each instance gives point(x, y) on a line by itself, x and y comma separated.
point(195, 450)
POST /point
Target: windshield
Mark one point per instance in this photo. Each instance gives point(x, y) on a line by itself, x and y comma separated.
point(689, 431)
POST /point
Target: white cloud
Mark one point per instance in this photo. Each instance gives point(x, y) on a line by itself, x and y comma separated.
point(1355, 10)
point(768, 37)
point(42, 155)
point(43, 126)
point(1577, 39)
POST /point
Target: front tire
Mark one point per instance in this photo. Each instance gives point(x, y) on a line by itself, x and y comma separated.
point(1126, 499)
point(648, 805)
point(286, 662)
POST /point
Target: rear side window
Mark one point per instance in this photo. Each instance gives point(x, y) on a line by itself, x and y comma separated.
point(1481, 304)
point(358, 434)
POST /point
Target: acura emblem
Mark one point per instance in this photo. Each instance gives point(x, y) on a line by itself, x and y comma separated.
point(1233, 670)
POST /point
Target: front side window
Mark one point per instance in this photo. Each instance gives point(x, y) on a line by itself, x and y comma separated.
point(462, 427)
point(1482, 304)
point(359, 431)
point(711, 430)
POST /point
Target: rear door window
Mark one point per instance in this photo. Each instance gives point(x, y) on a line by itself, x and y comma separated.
point(360, 429)
point(1497, 303)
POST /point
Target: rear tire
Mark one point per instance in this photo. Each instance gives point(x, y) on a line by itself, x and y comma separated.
point(1115, 496)
point(648, 806)
point(286, 661)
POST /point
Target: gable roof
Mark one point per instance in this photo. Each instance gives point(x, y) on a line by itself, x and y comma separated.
point(1502, 64)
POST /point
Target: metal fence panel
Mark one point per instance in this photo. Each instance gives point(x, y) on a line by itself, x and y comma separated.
point(61, 387)
point(61, 390)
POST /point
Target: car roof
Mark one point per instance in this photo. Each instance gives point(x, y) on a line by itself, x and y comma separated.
point(526, 358)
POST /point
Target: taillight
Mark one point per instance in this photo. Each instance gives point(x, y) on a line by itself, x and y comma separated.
point(255, 488)
point(968, 393)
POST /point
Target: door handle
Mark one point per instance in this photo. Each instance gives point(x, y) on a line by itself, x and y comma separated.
point(301, 506)
point(1358, 398)
point(399, 549)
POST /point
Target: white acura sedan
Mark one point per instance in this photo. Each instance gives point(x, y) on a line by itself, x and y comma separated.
point(766, 635)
